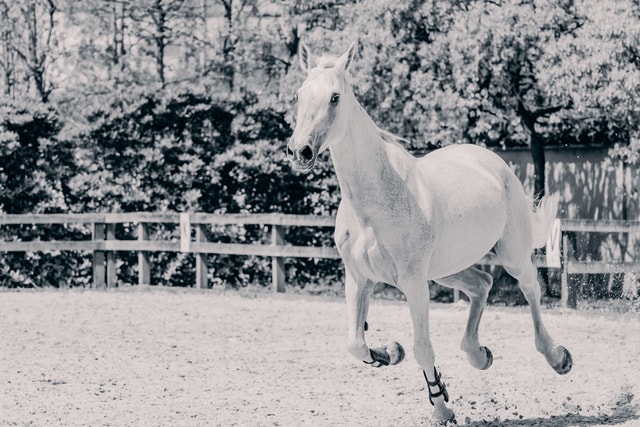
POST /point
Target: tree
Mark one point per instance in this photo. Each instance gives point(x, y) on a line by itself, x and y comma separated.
point(8, 56)
point(36, 22)
point(159, 24)
point(600, 68)
point(399, 61)
point(501, 49)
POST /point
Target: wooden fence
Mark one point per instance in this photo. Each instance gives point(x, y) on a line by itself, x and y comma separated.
point(104, 245)
point(572, 266)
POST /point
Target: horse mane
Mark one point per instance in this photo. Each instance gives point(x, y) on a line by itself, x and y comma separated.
point(392, 138)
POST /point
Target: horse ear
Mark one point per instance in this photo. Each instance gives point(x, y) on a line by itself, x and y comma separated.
point(347, 58)
point(305, 56)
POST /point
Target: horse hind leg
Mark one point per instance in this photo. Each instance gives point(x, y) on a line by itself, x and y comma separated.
point(476, 285)
point(518, 264)
point(557, 356)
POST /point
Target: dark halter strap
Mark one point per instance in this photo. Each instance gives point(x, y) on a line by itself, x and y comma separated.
point(436, 383)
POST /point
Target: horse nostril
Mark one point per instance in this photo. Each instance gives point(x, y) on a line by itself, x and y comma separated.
point(289, 152)
point(306, 153)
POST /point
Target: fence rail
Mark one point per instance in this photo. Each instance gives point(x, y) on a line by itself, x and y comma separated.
point(104, 245)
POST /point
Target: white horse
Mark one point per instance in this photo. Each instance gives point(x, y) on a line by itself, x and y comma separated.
point(405, 220)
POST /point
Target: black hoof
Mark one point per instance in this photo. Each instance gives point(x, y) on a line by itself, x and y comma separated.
point(391, 354)
point(489, 361)
point(565, 366)
point(380, 357)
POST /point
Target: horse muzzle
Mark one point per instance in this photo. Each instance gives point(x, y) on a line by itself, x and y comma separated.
point(302, 158)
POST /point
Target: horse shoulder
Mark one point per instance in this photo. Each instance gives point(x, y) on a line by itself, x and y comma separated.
point(361, 249)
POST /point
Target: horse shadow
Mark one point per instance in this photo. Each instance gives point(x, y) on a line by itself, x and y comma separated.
point(616, 418)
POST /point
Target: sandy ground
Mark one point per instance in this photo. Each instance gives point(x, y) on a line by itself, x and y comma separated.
point(158, 357)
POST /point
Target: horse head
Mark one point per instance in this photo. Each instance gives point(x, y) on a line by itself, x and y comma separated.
point(323, 103)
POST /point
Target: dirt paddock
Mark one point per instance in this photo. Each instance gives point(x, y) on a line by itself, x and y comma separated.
point(159, 357)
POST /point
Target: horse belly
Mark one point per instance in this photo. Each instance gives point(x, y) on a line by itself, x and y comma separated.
point(471, 211)
point(460, 247)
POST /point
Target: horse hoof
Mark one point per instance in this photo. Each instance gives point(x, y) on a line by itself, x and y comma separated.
point(565, 366)
point(396, 353)
point(446, 419)
point(489, 360)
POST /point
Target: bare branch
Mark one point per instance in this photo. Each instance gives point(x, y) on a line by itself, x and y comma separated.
point(21, 55)
point(52, 11)
point(541, 112)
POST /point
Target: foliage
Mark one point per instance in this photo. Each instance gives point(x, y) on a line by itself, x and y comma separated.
point(34, 171)
point(33, 162)
point(166, 151)
point(185, 106)
point(151, 151)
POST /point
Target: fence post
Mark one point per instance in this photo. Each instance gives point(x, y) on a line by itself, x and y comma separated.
point(564, 276)
point(97, 235)
point(144, 266)
point(277, 263)
point(185, 232)
point(111, 257)
point(569, 291)
point(201, 259)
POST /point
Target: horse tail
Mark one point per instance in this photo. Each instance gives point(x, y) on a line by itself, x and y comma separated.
point(542, 219)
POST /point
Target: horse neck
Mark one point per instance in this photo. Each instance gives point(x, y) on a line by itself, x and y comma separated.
point(362, 164)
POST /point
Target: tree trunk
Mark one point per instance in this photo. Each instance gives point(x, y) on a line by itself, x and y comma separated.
point(8, 63)
point(205, 31)
point(228, 46)
point(36, 58)
point(536, 146)
point(161, 41)
point(118, 35)
point(537, 155)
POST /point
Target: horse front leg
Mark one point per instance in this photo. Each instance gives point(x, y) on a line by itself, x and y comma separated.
point(357, 295)
point(417, 293)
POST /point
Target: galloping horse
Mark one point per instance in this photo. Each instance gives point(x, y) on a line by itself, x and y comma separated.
point(404, 220)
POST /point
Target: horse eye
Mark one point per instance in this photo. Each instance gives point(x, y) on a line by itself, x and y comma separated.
point(295, 97)
point(335, 98)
